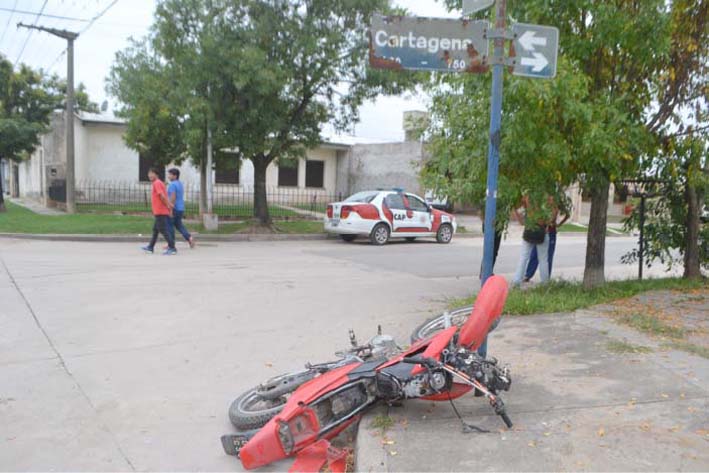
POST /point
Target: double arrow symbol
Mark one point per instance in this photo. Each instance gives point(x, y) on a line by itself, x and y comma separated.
point(529, 40)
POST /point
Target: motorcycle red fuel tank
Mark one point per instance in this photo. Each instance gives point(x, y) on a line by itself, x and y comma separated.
point(488, 308)
point(265, 447)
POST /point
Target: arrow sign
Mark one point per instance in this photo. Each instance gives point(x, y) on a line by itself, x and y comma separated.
point(529, 40)
point(474, 6)
point(535, 50)
point(537, 63)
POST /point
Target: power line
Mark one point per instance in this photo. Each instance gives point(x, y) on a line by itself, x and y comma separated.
point(7, 25)
point(29, 35)
point(91, 23)
point(45, 15)
point(93, 20)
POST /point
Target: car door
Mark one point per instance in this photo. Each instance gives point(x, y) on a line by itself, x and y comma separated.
point(421, 219)
point(396, 205)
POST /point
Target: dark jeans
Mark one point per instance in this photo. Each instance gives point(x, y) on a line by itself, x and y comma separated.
point(482, 350)
point(176, 222)
point(498, 241)
point(534, 259)
point(160, 226)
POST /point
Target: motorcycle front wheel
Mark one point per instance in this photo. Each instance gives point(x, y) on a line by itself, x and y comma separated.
point(254, 408)
point(434, 325)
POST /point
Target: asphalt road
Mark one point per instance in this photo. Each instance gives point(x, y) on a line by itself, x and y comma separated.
point(113, 360)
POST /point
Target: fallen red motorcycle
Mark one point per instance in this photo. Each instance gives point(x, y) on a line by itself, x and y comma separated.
point(288, 414)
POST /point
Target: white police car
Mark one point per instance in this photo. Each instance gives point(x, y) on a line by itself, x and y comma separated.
point(381, 215)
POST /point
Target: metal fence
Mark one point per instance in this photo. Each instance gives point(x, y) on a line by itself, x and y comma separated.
point(229, 200)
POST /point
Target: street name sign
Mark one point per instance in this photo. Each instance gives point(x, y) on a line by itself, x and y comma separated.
point(536, 49)
point(474, 6)
point(428, 44)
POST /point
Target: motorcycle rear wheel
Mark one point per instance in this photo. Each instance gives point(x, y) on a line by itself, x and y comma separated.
point(435, 324)
point(254, 408)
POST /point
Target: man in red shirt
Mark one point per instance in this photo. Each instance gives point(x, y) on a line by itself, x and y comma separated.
point(162, 210)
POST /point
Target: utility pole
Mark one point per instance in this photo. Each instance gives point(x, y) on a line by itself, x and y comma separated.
point(210, 220)
point(69, 36)
point(493, 159)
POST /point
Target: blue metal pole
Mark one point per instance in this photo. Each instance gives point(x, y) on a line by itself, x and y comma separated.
point(493, 157)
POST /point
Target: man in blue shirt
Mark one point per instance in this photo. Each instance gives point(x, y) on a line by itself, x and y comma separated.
point(176, 195)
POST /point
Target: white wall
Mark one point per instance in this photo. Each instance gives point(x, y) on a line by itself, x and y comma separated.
point(105, 156)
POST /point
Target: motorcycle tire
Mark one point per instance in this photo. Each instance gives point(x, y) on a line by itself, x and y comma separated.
point(254, 408)
point(435, 324)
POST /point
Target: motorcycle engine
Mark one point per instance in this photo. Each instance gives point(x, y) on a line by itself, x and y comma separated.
point(487, 371)
point(383, 346)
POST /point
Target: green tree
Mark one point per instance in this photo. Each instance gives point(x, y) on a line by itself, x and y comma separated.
point(27, 100)
point(681, 164)
point(631, 54)
point(544, 123)
point(681, 182)
point(262, 77)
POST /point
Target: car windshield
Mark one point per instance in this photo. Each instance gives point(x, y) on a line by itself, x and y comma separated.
point(364, 197)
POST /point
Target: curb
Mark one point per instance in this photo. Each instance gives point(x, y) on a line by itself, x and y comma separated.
point(238, 237)
point(142, 238)
point(369, 454)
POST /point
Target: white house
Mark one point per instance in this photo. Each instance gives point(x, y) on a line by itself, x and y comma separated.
point(106, 169)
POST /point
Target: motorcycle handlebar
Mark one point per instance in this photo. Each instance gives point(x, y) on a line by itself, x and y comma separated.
point(420, 360)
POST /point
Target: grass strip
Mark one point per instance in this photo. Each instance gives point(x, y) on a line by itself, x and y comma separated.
point(564, 296)
point(18, 219)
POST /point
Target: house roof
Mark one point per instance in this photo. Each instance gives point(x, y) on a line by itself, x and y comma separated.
point(330, 139)
point(105, 118)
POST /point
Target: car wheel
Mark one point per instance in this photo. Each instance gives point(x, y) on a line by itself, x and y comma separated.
point(380, 234)
point(410, 239)
point(444, 234)
point(348, 237)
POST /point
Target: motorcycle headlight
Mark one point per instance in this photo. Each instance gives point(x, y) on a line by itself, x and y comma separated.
point(286, 437)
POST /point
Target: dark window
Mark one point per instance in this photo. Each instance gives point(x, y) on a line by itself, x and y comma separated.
point(314, 173)
point(288, 176)
point(363, 197)
point(145, 163)
point(621, 195)
point(417, 204)
point(586, 195)
point(226, 173)
point(395, 201)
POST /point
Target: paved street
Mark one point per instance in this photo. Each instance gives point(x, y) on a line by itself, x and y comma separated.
point(111, 359)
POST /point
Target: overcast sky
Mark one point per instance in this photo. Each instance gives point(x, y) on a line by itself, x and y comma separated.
point(96, 47)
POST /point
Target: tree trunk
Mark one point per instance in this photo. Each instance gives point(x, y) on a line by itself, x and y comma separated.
point(2, 192)
point(202, 187)
point(260, 202)
point(692, 268)
point(594, 272)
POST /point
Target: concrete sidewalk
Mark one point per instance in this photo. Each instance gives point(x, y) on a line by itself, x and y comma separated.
point(576, 402)
point(35, 206)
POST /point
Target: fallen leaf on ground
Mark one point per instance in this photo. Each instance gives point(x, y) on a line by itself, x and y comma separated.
point(664, 395)
point(601, 432)
point(388, 442)
point(393, 453)
point(674, 429)
point(547, 434)
point(269, 365)
point(645, 427)
point(532, 444)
